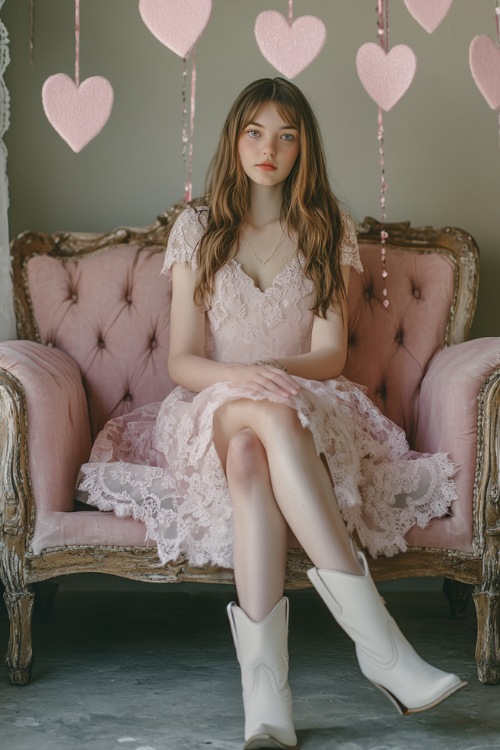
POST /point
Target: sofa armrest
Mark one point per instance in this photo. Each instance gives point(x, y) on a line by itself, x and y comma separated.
point(449, 401)
point(459, 414)
point(44, 431)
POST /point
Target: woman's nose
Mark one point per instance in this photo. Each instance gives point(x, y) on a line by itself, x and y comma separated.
point(269, 147)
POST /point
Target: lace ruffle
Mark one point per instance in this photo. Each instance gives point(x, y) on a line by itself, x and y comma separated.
point(182, 495)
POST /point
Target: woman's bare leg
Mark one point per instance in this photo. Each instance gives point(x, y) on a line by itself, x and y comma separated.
point(260, 531)
point(299, 480)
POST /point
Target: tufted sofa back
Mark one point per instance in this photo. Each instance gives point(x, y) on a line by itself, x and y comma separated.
point(109, 309)
point(390, 348)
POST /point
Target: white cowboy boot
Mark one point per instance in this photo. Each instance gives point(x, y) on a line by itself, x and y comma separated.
point(384, 655)
point(262, 652)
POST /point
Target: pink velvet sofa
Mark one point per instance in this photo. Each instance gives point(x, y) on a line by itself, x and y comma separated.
point(93, 325)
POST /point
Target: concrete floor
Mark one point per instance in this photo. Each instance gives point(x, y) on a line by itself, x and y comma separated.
point(154, 669)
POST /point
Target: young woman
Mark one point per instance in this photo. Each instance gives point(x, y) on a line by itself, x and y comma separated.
point(262, 434)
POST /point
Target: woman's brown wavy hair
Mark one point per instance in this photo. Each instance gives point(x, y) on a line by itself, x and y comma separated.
point(310, 210)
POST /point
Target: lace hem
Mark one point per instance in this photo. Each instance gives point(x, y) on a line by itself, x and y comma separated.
point(382, 488)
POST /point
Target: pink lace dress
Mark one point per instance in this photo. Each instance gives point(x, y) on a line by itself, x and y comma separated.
point(159, 464)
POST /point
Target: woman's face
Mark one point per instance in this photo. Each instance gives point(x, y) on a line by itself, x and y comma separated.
point(268, 147)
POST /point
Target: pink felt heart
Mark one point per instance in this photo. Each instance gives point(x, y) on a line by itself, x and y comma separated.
point(386, 76)
point(178, 24)
point(484, 61)
point(77, 113)
point(428, 13)
point(289, 48)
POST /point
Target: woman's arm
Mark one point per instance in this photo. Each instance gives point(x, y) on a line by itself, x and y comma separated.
point(328, 345)
point(187, 364)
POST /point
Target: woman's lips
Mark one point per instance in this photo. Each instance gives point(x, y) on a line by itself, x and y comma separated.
point(267, 167)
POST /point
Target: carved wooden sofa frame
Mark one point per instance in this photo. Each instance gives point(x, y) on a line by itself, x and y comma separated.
point(21, 568)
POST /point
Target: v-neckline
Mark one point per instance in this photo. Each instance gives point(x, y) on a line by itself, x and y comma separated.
point(273, 284)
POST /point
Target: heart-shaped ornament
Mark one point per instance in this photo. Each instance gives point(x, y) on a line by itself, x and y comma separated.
point(484, 61)
point(386, 76)
point(428, 13)
point(289, 47)
point(77, 113)
point(178, 24)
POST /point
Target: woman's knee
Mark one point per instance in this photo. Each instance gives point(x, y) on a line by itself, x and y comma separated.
point(246, 458)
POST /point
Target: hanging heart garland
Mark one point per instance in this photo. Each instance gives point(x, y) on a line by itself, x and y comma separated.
point(290, 46)
point(484, 61)
point(428, 13)
point(386, 76)
point(77, 111)
point(178, 24)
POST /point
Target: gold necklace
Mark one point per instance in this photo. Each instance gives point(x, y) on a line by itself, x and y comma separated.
point(266, 261)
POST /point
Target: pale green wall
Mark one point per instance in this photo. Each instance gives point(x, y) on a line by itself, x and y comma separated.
point(443, 156)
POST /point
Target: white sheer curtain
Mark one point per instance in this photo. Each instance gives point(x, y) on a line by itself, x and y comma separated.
point(7, 326)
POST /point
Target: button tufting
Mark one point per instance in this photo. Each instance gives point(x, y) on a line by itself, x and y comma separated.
point(101, 344)
point(51, 344)
point(367, 294)
point(381, 392)
point(128, 299)
point(74, 297)
point(154, 343)
point(399, 337)
point(127, 397)
point(416, 293)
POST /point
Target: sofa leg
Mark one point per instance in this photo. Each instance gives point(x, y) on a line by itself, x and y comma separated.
point(19, 657)
point(458, 595)
point(488, 643)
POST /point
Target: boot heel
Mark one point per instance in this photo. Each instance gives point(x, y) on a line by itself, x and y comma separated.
point(384, 655)
point(405, 711)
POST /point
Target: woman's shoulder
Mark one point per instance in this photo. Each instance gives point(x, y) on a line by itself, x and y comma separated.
point(349, 250)
point(191, 222)
point(184, 237)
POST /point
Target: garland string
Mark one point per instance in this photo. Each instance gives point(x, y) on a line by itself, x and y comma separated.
point(497, 21)
point(290, 12)
point(77, 42)
point(188, 122)
point(383, 36)
point(31, 10)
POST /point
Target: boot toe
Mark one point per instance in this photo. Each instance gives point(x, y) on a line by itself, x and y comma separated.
point(267, 736)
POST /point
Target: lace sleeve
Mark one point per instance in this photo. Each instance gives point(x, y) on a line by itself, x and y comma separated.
point(349, 252)
point(184, 237)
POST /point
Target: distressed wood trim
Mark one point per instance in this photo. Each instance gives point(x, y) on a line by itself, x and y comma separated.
point(487, 517)
point(143, 564)
point(17, 507)
point(17, 517)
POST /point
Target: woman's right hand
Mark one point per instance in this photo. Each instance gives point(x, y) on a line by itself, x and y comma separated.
point(265, 378)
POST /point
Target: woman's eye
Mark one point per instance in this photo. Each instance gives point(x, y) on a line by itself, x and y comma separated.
point(253, 133)
point(288, 137)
